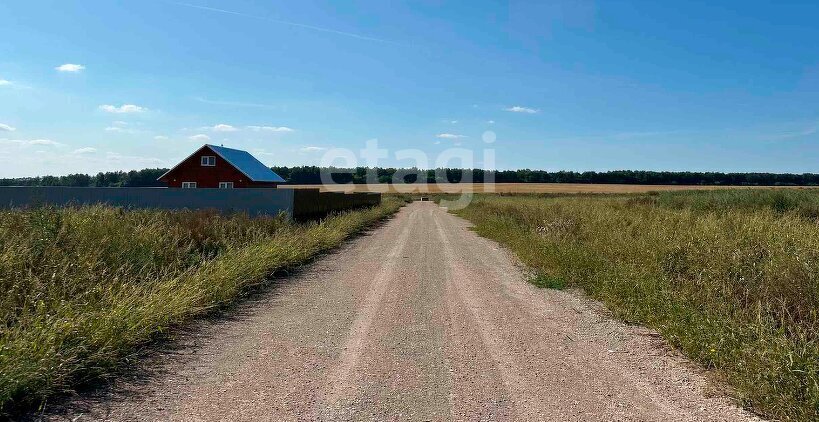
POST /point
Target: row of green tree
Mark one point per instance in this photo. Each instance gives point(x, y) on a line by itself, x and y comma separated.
point(317, 175)
point(133, 178)
point(313, 175)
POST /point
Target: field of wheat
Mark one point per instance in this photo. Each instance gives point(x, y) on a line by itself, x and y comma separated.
point(562, 188)
point(729, 277)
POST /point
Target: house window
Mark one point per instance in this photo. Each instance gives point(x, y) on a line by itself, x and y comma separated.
point(225, 185)
point(188, 185)
point(208, 160)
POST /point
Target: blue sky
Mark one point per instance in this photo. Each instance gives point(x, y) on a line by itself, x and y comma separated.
point(576, 85)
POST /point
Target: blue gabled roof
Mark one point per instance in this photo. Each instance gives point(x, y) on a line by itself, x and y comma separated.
point(247, 164)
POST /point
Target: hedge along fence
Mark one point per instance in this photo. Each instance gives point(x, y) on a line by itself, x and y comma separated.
point(299, 203)
point(309, 203)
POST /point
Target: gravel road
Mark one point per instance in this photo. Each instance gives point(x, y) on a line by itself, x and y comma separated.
point(419, 320)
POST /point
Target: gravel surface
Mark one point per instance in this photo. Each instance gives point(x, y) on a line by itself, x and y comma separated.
point(420, 320)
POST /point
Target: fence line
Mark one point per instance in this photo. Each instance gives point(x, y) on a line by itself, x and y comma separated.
point(294, 202)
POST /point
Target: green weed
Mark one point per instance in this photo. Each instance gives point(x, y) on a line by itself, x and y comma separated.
point(547, 281)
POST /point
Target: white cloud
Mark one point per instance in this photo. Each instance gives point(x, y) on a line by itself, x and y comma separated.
point(199, 137)
point(449, 136)
point(491, 122)
point(116, 159)
point(795, 132)
point(70, 67)
point(125, 108)
point(160, 137)
point(519, 109)
point(453, 121)
point(4, 82)
point(235, 103)
point(221, 127)
point(312, 149)
point(6, 128)
point(270, 128)
point(86, 150)
point(121, 127)
point(43, 142)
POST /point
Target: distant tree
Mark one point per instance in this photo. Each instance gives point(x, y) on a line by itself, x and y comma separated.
point(76, 180)
point(311, 175)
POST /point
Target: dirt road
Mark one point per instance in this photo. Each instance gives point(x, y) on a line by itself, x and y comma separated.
point(421, 320)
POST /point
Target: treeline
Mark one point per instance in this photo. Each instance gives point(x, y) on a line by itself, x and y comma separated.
point(133, 178)
point(310, 175)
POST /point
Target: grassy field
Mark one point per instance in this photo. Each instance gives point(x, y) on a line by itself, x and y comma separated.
point(567, 188)
point(729, 277)
point(84, 288)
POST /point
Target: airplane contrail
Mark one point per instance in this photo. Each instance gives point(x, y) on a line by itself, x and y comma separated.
point(283, 22)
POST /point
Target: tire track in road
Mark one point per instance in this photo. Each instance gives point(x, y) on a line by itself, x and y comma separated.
point(513, 383)
point(338, 381)
point(403, 370)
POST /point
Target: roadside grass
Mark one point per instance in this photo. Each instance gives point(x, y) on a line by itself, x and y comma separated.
point(548, 281)
point(803, 202)
point(84, 288)
point(729, 277)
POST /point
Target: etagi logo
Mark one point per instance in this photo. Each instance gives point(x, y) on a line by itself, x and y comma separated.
point(372, 156)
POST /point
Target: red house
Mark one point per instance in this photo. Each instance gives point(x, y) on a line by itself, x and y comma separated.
point(219, 167)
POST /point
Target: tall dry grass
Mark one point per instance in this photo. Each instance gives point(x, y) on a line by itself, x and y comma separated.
point(731, 278)
point(85, 287)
